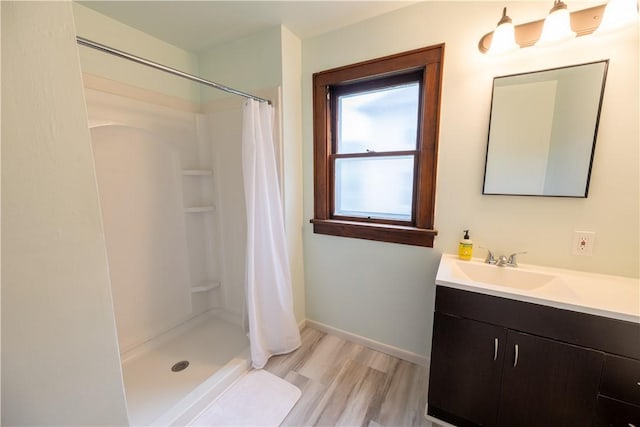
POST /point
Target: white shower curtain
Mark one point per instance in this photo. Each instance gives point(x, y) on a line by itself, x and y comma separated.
point(272, 325)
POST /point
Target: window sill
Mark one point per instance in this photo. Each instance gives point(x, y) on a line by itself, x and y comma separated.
point(379, 232)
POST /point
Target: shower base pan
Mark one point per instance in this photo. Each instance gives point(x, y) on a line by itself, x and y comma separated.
point(217, 353)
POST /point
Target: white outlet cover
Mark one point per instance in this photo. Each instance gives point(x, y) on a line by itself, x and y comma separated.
point(583, 242)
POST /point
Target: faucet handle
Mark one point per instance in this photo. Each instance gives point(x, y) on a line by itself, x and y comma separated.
point(490, 259)
point(512, 258)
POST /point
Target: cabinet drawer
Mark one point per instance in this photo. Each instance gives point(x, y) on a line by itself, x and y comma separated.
point(621, 379)
point(614, 413)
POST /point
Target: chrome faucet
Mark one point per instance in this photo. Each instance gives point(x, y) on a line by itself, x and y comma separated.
point(503, 260)
point(490, 259)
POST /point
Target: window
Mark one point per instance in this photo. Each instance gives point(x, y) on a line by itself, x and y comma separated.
point(375, 148)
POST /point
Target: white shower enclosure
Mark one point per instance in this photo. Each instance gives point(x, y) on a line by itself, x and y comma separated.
point(172, 202)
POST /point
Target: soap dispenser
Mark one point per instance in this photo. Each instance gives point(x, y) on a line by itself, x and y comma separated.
point(465, 248)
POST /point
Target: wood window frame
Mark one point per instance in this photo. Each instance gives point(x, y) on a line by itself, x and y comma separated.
point(420, 231)
point(384, 82)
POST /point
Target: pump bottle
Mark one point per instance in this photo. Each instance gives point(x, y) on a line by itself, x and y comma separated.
point(465, 248)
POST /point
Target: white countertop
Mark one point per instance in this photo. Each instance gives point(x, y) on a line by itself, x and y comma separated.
point(599, 294)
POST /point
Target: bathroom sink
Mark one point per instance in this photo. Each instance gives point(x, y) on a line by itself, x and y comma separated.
point(603, 295)
point(500, 276)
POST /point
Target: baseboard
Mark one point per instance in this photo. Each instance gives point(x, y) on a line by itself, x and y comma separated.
point(375, 345)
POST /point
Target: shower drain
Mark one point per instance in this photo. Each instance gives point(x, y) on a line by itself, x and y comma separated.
point(180, 366)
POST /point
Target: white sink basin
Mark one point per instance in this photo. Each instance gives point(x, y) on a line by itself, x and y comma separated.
point(604, 295)
point(501, 276)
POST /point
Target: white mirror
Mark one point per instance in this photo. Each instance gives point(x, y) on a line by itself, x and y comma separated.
point(542, 131)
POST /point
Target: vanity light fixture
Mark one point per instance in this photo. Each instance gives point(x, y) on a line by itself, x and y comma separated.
point(504, 39)
point(557, 26)
point(619, 14)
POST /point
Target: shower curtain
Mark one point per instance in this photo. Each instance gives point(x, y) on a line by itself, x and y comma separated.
point(272, 325)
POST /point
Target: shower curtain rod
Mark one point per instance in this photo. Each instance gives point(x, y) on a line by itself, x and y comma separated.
point(112, 51)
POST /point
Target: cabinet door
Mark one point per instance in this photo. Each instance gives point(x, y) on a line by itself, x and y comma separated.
point(465, 372)
point(548, 383)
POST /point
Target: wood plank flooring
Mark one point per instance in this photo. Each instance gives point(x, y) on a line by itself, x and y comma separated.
point(347, 384)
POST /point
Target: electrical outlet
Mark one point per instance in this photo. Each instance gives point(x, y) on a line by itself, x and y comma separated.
point(583, 242)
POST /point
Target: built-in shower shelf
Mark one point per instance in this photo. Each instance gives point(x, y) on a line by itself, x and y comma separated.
point(209, 286)
point(197, 172)
point(199, 209)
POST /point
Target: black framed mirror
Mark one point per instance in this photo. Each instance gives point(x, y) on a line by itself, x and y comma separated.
point(542, 131)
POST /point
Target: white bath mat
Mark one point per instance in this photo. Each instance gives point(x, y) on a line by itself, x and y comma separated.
point(257, 399)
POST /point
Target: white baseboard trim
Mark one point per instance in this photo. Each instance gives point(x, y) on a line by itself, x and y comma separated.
point(375, 345)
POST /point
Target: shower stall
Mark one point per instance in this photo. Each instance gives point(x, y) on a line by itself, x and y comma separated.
point(173, 210)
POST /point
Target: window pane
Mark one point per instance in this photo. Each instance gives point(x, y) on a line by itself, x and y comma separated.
point(376, 187)
point(379, 120)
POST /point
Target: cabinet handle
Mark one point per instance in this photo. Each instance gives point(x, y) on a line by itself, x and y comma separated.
point(515, 361)
point(495, 349)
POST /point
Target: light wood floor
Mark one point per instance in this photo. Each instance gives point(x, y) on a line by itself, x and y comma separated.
point(347, 384)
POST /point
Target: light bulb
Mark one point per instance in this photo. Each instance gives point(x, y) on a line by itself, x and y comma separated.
point(618, 14)
point(503, 40)
point(557, 26)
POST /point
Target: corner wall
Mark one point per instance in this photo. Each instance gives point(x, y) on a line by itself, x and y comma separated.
point(249, 64)
point(292, 146)
point(385, 292)
point(60, 363)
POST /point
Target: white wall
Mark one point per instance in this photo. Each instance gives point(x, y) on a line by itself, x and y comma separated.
point(102, 29)
point(247, 64)
point(60, 363)
point(384, 291)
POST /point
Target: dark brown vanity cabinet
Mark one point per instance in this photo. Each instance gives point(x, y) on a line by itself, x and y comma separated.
point(508, 367)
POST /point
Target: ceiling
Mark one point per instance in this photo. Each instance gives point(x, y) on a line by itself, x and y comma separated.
point(199, 25)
